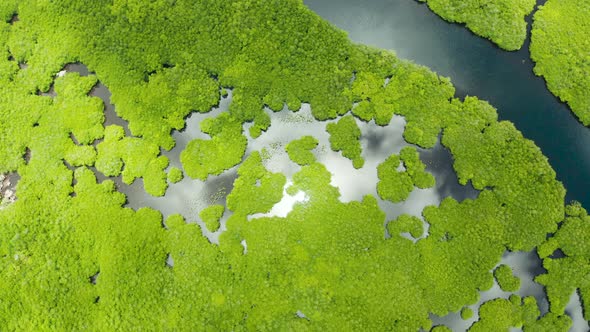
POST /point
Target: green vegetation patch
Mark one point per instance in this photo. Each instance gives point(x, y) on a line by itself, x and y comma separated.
point(373, 98)
point(395, 185)
point(570, 273)
point(507, 281)
point(502, 314)
point(406, 224)
point(140, 158)
point(508, 154)
point(167, 97)
point(223, 151)
point(501, 21)
point(175, 175)
point(318, 256)
point(466, 313)
point(299, 150)
point(344, 136)
point(256, 189)
point(416, 168)
point(561, 50)
point(211, 216)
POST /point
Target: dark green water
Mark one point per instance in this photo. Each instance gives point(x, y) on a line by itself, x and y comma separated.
point(477, 68)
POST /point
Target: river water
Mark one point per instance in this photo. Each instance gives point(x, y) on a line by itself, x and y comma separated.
point(477, 68)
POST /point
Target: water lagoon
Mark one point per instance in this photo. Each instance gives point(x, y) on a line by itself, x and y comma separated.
point(189, 197)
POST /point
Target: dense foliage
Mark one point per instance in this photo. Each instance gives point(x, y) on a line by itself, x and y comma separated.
point(501, 21)
point(502, 314)
point(344, 136)
point(416, 168)
point(72, 257)
point(211, 216)
point(560, 48)
point(569, 273)
point(506, 280)
point(139, 157)
point(466, 313)
point(256, 189)
point(175, 175)
point(395, 185)
point(406, 224)
point(300, 150)
point(223, 151)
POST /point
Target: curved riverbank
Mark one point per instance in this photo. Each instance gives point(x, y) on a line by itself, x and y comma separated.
point(477, 68)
